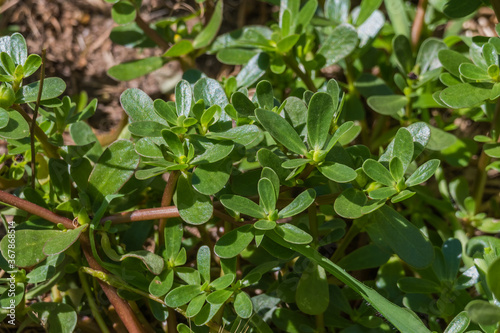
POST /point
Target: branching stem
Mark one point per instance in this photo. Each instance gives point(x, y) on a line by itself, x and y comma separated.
point(418, 23)
point(48, 147)
point(166, 200)
point(292, 63)
point(33, 121)
point(155, 37)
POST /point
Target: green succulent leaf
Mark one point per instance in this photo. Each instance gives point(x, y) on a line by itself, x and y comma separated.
point(207, 35)
point(139, 106)
point(211, 178)
point(194, 207)
point(123, 12)
point(183, 98)
point(223, 282)
point(403, 53)
point(492, 277)
point(423, 173)
point(345, 128)
point(242, 205)
point(52, 87)
point(179, 49)
point(113, 169)
point(146, 128)
point(396, 168)
point(235, 241)
point(451, 61)
point(340, 43)
point(61, 317)
point(458, 324)
point(182, 295)
point(264, 225)
point(242, 104)
point(396, 11)
point(376, 171)
point(16, 127)
point(267, 195)
point(473, 72)
point(403, 195)
point(319, 119)
point(492, 149)
point(243, 305)
point(466, 95)
point(350, 203)
point(281, 130)
point(295, 163)
point(219, 296)
point(33, 242)
point(264, 95)
point(382, 193)
point(161, 284)
point(388, 227)
point(312, 294)
point(63, 241)
point(299, 204)
point(483, 313)
point(458, 9)
point(293, 234)
point(337, 172)
point(195, 306)
point(389, 105)
point(136, 68)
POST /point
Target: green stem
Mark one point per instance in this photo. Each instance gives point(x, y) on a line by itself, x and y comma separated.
point(320, 323)
point(92, 304)
point(484, 160)
point(349, 73)
point(291, 62)
point(339, 253)
point(49, 148)
point(33, 122)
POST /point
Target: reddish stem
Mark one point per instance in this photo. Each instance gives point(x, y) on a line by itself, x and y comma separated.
point(418, 23)
point(143, 215)
point(35, 209)
point(155, 36)
point(121, 306)
point(167, 199)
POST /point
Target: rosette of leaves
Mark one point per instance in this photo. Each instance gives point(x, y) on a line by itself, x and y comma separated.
point(299, 39)
point(389, 177)
point(472, 80)
point(485, 312)
point(15, 66)
point(171, 34)
point(440, 283)
point(204, 297)
point(467, 209)
point(194, 138)
point(235, 241)
point(321, 150)
point(414, 80)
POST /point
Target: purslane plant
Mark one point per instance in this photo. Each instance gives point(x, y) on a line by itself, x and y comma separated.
point(258, 200)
